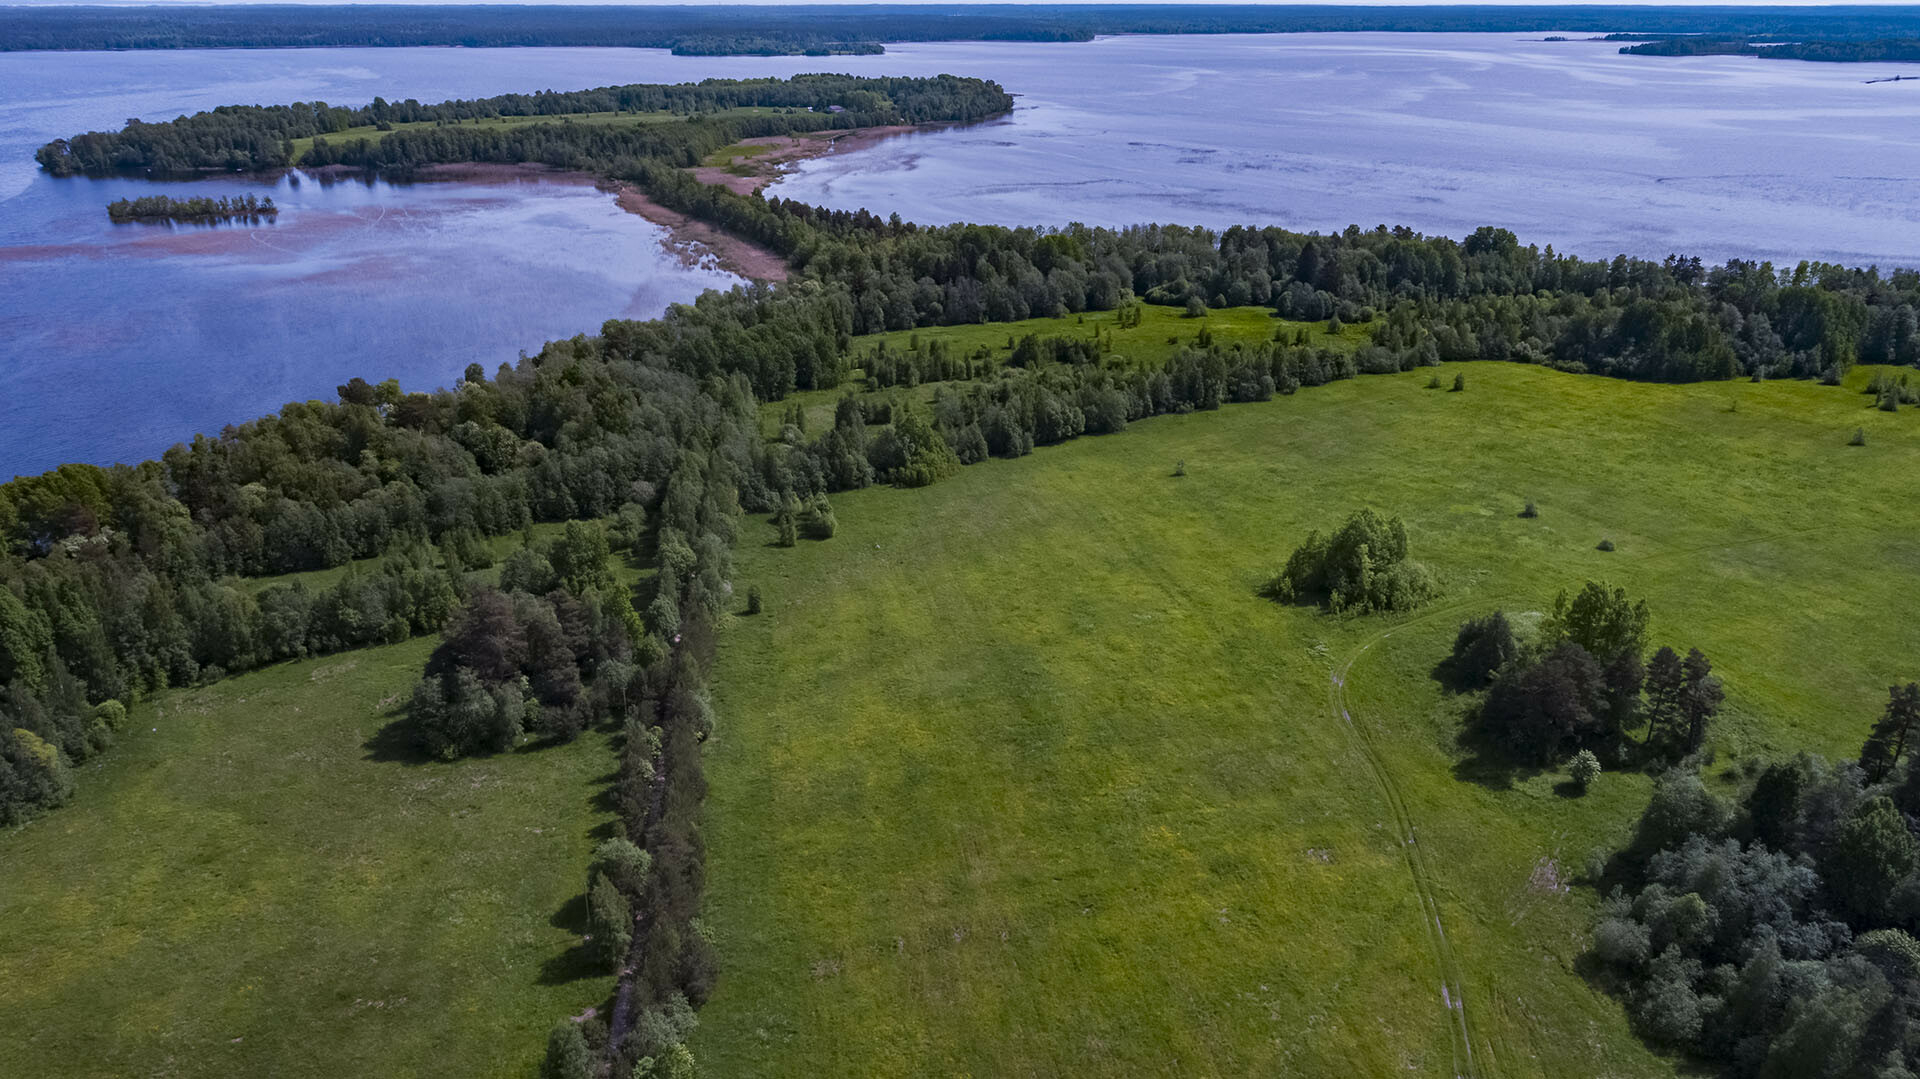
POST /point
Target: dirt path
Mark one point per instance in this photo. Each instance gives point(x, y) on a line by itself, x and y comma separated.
point(1452, 995)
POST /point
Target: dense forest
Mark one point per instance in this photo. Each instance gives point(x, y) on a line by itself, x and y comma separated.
point(1878, 50)
point(197, 208)
point(253, 137)
point(820, 30)
point(118, 582)
point(1773, 934)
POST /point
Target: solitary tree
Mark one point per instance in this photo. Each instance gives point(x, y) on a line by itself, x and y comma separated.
point(1584, 769)
point(1888, 742)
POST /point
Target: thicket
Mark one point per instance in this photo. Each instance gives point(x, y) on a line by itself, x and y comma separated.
point(1584, 684)
point(198, 208)
point(1773, 935)
point(1363, 566)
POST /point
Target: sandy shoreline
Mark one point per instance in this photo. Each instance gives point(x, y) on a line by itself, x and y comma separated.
point(692, 240)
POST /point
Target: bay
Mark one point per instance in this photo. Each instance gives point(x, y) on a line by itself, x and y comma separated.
point(116, 341)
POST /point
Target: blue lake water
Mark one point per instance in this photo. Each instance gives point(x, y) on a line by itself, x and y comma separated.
point(116, 341)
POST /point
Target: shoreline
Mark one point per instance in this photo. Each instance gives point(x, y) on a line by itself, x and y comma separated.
point(694, 241)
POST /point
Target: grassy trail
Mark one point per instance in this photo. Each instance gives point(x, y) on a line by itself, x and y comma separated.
point(1453, 997)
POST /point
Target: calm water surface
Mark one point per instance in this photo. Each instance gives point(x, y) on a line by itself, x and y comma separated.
point(116, 341)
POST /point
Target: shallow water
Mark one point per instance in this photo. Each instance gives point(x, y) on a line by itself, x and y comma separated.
point(116, 341)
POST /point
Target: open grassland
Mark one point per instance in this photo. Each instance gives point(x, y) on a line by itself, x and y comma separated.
point(1017, 775)
point(262, 880)
point(374, 134)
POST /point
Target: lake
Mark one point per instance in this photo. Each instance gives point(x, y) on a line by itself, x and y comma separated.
point(118, 340)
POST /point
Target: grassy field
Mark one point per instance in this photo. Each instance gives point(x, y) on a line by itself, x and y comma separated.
point(301, 146)
point(1017, 775)
point(259, 880)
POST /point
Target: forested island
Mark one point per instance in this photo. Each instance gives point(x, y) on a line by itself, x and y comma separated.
point(117, 583)
point(196, 208)
point(826, 30)
point(1878, 50)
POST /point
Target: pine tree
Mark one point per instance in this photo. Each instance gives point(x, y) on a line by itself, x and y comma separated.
point(1888, 741)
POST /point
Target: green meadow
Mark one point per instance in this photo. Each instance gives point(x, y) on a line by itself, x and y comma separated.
point(1019, 775)
point(261, 879)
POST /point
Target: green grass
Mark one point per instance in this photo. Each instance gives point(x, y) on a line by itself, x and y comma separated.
point(728, 157)
point(301, 146)
point(1162, 332)
point(1017, 775)
point(254, 882)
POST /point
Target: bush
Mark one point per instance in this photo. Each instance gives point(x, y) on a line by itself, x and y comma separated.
point(1481, 648)
point(1196, 308)
point(1433, 382)
point(1531, 511)
point(1604, 545)
point(1362, 567)
point(1459, 384)
point(1584, 769)
point(567, 1054)
point(1859, 437)
point(609, 921)
point(753, 599)
point(1180, 467)
point(1541, 710)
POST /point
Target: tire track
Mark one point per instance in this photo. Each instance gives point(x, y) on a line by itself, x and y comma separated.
point(1452, 994)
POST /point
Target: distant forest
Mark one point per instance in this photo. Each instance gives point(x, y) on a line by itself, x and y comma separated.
point(822, 30)
point(1904, 50)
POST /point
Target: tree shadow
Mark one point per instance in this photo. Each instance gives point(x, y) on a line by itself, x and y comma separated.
point(1484, 762)
point(394, 743)
point(1451, 678)
point(1567, 788)
point(582, 960)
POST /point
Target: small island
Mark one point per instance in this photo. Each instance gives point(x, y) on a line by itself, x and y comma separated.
point(201, 208)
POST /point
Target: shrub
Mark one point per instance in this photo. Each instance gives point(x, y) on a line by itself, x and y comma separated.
point(818, 520)
point(1363, 566)
point(567, 1054)
point(1584, 769)
point(1604, 545)
point(1433, 382)
point(1180, 467)
point(1482, 647)
point(1539, 711)
point(609, 921)
point(753, 599)
point(1196, 307)
point(1459, 383)
point(1859, 437)
point(619, 861)
point(1531, 511)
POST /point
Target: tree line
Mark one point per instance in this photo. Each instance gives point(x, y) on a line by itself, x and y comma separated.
point(196, 208)
point(713, 29)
